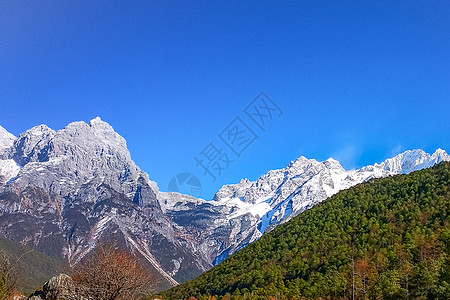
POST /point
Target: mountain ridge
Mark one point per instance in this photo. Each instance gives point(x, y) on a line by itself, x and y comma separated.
point(279, 195)
point(386, 238)
point(78, 186)
point(73, 188)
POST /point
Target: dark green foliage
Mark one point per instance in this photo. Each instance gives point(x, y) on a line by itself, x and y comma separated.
point(33, 268)
point(393, 232)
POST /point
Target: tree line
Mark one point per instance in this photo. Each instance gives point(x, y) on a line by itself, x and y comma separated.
point(387, 238)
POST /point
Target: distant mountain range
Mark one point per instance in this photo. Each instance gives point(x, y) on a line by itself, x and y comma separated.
point(387, 238)
point(64, 192)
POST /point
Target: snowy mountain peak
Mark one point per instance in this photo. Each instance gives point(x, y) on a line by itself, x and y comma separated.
point(84, 177)
point(63, 160)
point(38, 130)
point(440, 155)
point(78, 185)
point(8, 167)
point(29, 144)
point(331, 163)
point(97, 130)
point(96, 120)
point(299, 161)
point(412, 160)
point(6, 139)
point(440, 151)
point(244, 181)
point(5, 134)
point(277, 196)
point(101, 126)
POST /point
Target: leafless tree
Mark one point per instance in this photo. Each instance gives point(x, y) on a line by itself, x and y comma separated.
point(110, 274)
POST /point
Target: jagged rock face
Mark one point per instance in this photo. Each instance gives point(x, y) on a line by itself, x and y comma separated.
point(6, 139)
point(73, 188)
point(60, 287)
point(62, 161)
point(241, 213)
point(8, 167)
point(64, 192)
point(206, 224)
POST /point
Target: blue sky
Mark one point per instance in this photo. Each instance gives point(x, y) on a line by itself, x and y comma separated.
point(356, 80)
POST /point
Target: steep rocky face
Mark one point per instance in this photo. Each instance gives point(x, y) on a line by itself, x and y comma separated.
point(6, 139)
point(62, 161)
point(8, 167)
point(241, 213)
point(64, 192)
point(208, 225)
point(68, 190)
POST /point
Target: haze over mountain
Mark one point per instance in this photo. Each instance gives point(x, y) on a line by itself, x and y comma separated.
point(64, 192)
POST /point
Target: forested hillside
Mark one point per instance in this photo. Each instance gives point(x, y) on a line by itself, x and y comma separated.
point(384, 239)
point(31, 268)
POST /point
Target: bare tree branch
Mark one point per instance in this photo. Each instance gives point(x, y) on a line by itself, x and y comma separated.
point(110, 274)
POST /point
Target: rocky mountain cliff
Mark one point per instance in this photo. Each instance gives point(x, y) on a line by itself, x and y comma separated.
point(241, 213)
point(64, 192)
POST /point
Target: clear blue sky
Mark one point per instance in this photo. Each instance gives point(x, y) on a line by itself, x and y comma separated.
point(356, 80)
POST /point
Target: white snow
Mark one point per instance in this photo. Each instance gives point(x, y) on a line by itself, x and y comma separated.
point(281, 194)
point(259, 209)
point(96, 152)
point(8, 170)
point(6, 139)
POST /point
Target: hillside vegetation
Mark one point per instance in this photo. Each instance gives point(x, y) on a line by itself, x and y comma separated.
point(33, 268)
point(384, 239)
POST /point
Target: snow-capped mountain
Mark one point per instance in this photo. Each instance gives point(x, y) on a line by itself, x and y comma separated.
point(6, 139)
point(64, 192)
point(243, 212)
point(8, 167)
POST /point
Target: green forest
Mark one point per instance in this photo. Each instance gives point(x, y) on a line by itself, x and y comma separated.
point(387, 238)
point(29, 268)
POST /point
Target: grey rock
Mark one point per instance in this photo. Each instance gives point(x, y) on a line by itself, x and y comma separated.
point(64, 192)
point(78, 187)
point(241, 213)
point(37, 295)
point(60, 287)
point(6, 139)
